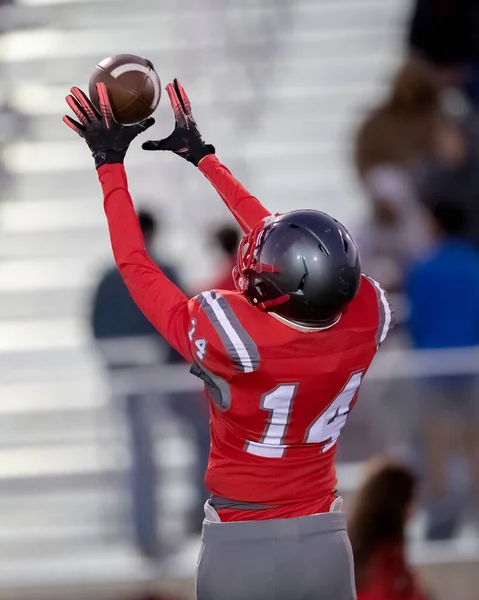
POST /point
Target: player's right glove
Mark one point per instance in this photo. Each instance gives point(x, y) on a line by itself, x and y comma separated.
point(107, 139)
point(186, 140)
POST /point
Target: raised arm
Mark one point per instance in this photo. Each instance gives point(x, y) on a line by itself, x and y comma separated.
point(186, 141)
point(161, 301)
point(246, 209)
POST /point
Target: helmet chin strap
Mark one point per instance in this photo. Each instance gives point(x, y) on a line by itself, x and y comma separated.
point(269, 303)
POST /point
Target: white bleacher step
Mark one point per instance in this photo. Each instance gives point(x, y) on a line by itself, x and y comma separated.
point(56, 522)
point(43, 98)
point(125, 5)
point(29, 216)
point(93, 500)
point(62, 428)
point(338, 126)
point(324, 15)
point(146, 182)
point(118, 564)
point(64, 296)
point(76, 365)
point(117, 479)
point(67, 480)
point(59, 73)
point(48, 273)
point(57, 364)
point(72, 6)
point(51, 540)
point(69, 157)
point(89, 245)
point(47, 97)
point(42, 334)
point(90, 537)
point(55, 46)
point(43, 241)
point(45, 304)
point(56, 43)
point(108, 515)
point(104, 426)
point(32, 397)
point(82, 458)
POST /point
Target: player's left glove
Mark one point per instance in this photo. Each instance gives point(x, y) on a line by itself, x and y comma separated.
point(186, 140)
point(107, 139)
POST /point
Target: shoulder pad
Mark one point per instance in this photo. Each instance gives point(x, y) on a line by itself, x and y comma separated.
point(216, 317)
point(386, 312)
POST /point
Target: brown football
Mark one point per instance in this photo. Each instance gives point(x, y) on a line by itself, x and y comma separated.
point(133, 86)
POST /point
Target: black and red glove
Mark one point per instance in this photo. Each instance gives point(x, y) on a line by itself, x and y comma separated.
point(107, 139)
point(186, 140)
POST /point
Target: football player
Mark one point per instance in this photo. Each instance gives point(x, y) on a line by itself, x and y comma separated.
point(282, 359)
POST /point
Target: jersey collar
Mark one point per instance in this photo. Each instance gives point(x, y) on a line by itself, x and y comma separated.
point(302, 328)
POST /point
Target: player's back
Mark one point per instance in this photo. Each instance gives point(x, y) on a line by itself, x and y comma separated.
point(277, 416)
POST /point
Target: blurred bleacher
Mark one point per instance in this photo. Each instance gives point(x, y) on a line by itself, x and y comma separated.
point(277, 86)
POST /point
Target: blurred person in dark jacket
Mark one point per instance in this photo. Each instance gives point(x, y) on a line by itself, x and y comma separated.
point(451, 173)
point(128, 343)
point(443, 294)
point(115, 314)
point(392, 141)
point(377, 530)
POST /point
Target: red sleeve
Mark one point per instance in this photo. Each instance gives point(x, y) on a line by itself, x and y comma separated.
point(246, 209)
point(160, 300)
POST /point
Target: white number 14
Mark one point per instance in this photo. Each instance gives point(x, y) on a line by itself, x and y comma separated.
point(324, 430)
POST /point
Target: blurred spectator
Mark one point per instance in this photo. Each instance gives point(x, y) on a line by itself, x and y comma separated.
point(115, 314)
point(390, 145)
point(451, 174)
point(226, 239)
point(445, 33)
point(443, 293)
point(377, 530)
point(128, 341)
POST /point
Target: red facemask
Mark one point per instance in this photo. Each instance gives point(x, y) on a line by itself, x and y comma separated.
point(248, 262)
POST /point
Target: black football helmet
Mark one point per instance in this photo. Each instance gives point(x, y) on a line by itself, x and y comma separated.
point(302, 265)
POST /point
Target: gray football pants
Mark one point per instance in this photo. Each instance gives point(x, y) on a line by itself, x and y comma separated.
point(306, 558)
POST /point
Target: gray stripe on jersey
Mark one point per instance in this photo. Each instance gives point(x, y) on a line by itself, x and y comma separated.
point(241, 349)
point(385, 312)
point(217, 502)
point(247, 341)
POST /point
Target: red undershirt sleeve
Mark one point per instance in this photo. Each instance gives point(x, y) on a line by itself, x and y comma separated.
point(160, 300)
point(246, 209)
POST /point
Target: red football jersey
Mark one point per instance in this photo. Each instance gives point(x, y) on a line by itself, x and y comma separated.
point(280, 393)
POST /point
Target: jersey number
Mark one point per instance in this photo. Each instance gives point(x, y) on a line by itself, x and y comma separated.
point(324, 430)
point(200, 344)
